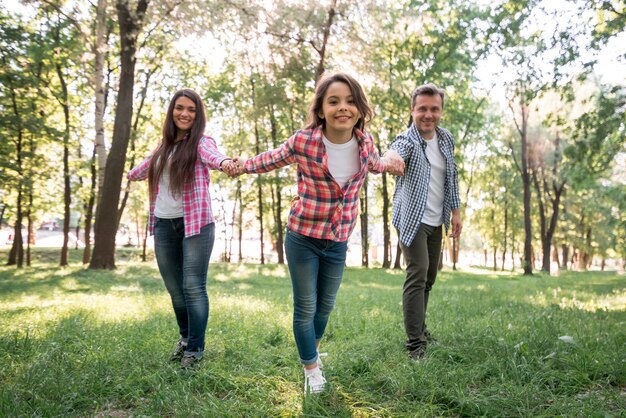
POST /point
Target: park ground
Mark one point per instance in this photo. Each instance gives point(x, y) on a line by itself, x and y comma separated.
point(77, 342)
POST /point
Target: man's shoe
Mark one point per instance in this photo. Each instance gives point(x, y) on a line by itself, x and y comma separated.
point(179, 351)
point(429, 337)
point(418, 353)
point(189, 360)
point(314, 381)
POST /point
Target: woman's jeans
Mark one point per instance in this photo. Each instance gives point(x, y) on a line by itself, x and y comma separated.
point(422, 261)
point(316, 268)
point(183, 263)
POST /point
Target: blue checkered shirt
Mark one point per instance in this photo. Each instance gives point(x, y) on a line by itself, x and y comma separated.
point(409, 199)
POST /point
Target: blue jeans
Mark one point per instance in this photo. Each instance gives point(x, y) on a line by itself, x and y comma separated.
point(316, 268)
point(183, 263)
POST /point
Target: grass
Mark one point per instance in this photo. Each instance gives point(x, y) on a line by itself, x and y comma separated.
point(75, 342)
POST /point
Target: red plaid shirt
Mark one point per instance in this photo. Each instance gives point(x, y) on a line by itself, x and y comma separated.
point(322, 209)
point(196, 197)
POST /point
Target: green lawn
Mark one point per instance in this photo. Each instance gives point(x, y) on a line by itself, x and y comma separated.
point(75, 342)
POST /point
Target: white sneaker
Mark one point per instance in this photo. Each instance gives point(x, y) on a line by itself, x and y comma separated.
point(319, 359)
point(314, 381)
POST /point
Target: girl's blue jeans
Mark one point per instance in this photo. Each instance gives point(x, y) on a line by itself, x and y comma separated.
point(183, 263)
point(316, 268)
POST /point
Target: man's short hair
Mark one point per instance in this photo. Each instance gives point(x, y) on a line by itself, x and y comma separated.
point(428, 89)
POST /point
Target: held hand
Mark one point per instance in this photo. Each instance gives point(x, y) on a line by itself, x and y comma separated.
point(394, 162)
point(457, 226)
point(231, 168)
point(239, 164)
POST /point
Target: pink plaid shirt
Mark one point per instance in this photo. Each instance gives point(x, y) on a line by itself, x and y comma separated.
point(196, 197)
point(322, 209)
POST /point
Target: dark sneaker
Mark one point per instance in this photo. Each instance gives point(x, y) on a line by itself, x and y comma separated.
point(179, 351)
point(189, 360)
point(417, 354)
point(429, 337)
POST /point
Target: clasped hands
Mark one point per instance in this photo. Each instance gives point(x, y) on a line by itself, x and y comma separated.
point(394, 162)
point(233, 167)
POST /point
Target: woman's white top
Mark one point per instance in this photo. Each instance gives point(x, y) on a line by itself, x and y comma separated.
point(167, 206)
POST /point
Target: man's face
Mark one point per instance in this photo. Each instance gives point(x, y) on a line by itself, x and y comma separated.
point(426, 114)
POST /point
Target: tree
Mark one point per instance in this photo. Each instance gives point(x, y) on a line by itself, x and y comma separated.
point(130, 23)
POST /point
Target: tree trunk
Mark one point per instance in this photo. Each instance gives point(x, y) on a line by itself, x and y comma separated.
point(100, 47)
point(257, 145)
point(524, 169)
point(364, 227)
point(144, 256)
point(89, 208)
point(67, 190)
point(240, 221)
point(278, 200)
point(29, 228)
point(322, 51)
point(397, 264)
point(16, 254)
point(565, 256)
point(506, 229)
point(107, 211)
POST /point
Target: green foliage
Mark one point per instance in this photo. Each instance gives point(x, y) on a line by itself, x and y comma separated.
point(75, 342)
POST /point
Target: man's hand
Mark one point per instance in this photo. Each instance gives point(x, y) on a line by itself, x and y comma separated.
point(457, 225)
point(394, 163)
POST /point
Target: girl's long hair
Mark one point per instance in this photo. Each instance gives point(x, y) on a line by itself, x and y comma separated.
point(313, 119)
point(182, 155)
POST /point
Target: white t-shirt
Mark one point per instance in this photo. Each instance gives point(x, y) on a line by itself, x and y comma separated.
point(343, 159)
point(434, 202)
point(167, 206)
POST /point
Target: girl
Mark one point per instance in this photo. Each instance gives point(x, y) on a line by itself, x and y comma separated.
point(333, 154)
point(181, 218)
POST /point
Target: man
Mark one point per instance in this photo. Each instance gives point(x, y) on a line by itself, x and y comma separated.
point(423, 201)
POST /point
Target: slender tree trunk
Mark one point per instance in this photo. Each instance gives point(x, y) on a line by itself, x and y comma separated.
point(100, 47)
point(397, 264)
point(322, 51)
point(565, 255)
point(506, 231)
point(67, 190)
point(278, 201)
point(107, 212)
point(29, 221)
point(239, 199)
point(257, 145)
point(144, 256)
point(16, 254)
point(89, 208)
point(364, 227)
point(524, 169)
point(385, 214)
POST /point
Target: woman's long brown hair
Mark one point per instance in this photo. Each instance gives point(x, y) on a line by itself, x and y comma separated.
point(313, 119)
point(182, 158)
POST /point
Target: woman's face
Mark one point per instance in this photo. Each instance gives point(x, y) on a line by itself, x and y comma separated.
point(184, 113)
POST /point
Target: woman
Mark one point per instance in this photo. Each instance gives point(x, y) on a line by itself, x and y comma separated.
point(181, 218)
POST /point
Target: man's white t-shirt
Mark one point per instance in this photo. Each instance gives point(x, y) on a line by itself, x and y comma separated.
point(434, 202)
